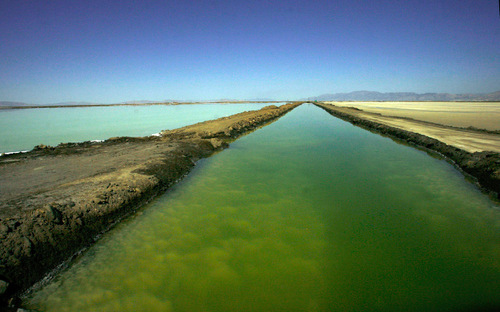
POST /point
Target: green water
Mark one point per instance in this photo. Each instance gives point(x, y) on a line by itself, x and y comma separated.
point(22, 129)
point(307, 214)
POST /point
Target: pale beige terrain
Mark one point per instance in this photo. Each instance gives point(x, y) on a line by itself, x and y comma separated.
point(465, 139)
point(482, 115)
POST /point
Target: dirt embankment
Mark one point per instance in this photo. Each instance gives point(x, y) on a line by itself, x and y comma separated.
point(477, 115)
point(57, 200)
point(483, 165)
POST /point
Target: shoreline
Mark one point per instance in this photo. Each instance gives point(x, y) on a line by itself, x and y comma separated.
point(59, 200)
point(34, 106)
point(482, 166)
point(139, 104)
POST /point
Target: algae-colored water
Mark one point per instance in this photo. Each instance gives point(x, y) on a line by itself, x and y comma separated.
point(307, 214)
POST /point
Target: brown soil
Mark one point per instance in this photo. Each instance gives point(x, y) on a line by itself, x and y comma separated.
point(477, 155)
point(57, 200)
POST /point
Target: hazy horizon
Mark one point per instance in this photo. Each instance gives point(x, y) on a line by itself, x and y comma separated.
point(117, 51)
point(351, 96)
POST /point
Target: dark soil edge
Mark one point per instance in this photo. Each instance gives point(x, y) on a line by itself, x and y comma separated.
point(484, 167)
point(44, 239)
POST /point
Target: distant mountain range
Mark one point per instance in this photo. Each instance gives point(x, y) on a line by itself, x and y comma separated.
point(405, 96)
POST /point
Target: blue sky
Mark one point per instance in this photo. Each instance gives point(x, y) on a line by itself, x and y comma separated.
point(114, 51)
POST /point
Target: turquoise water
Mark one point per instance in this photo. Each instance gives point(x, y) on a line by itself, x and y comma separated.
point(307, 214)
point(22, 129)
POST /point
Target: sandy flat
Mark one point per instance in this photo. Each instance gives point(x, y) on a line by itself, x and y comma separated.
point(482, 115)
point(468, 140)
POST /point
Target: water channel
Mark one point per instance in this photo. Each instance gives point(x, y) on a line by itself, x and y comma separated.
point(307, 214)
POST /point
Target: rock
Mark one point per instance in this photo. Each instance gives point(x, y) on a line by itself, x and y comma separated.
point(3, 287)
point(53, 214)
point(217, 143)
point(43, 147)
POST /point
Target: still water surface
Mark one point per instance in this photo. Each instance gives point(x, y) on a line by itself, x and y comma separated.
point(22, 129)
point(307, 214)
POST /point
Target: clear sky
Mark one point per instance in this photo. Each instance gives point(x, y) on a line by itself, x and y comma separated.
point(109, 51)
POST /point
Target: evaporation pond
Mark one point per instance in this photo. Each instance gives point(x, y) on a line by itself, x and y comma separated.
point(307, 214)
point(22, 129)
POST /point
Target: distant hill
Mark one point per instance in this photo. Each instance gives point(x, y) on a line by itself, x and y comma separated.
point(405, 96)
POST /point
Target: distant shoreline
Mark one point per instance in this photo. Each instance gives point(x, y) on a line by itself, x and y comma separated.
point(134, 104)
point(223, 102)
